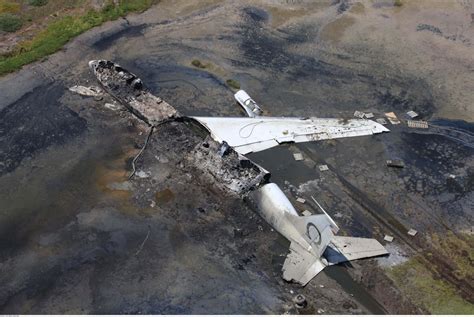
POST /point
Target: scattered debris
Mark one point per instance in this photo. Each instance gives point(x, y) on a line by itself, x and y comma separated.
point(306, 213)
point(91, 91)
point(112, 106)
point(396, 163)
point(412, 114)
point(300, 301)
point(301, 200)
point(368, 115)
point(142, 174)
point(321, 285)
point(298, 156)
point(224, 149)
point(248, 104)
point(359, 114)
point(152, 204)
point(320, 311)
point(451, 176)
point(323, 167)
point(417, 124)
point(412, 232)
point(381, 121)
point(388, 238)
point(392, 117)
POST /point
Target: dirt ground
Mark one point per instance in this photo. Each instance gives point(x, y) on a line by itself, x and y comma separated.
point(78, 237)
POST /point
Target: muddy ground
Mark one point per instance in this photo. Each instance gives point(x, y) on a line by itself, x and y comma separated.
point(78, 237)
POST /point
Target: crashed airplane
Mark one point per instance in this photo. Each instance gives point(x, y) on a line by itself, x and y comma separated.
point(314, 244)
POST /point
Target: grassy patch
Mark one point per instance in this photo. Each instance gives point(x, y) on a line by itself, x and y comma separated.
point(10, 22)
point(233, 83)
point(63, 29)
point(398, 3)
point(458, 250)
point(37, 3)
point(197, 63)
point(9, 7)
point(436, 296)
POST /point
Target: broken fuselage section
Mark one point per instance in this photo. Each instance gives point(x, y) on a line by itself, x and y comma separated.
point(219, 155)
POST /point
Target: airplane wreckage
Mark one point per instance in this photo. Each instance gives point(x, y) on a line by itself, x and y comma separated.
point(220, 150)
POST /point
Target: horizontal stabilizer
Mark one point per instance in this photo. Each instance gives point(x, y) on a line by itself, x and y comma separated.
point(342, 249)
point(300, 265)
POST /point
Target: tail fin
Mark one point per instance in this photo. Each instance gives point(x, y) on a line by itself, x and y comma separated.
point(315, 230)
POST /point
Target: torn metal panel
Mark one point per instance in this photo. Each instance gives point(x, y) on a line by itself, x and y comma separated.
point(247, 135)
point(128, 89)
point(392, 117)
point(301, 200)
point(298, 156)
point(388, 238)
point(381, 121)
point(323, 167)
point(395, 163)
point(359, 114)
point(417, 124)
point(368, 115)
point(412, 232)
point(412, 114)
point(86, 91)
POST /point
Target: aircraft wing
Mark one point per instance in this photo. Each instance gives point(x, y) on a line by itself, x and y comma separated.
point(248, 135)
point(300, 265)
point(343, 249)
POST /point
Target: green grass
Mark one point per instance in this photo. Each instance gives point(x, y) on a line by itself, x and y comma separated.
point(9, 22)
point(60, 31)
point(10, 7)
point(37, 3)
point(197, 63)
point(233, 83)
point(435, 295)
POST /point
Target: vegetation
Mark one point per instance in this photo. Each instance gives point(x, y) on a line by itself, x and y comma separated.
point(398, 3)
point(10, 22)
point(435, 295)
point(62, 29)
point(9, 7)
point(197, 63)
point(233, 83)
point(37, 3)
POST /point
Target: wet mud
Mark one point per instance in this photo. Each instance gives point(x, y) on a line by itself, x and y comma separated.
point(77, 236)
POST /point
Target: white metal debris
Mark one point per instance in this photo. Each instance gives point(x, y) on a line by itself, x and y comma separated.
point(323, 167)
point(301, 200)
point(417, 124)
point(248, 104)
point(381, 120)
point(298, 156)
point(248, 135)
point(368, 115)
point(412, 114)
point(412, 232)
point(359, 114)
point(392, 117)
point(112, 106)
point(91, 91)
point(388, 238)
point(306, 213)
